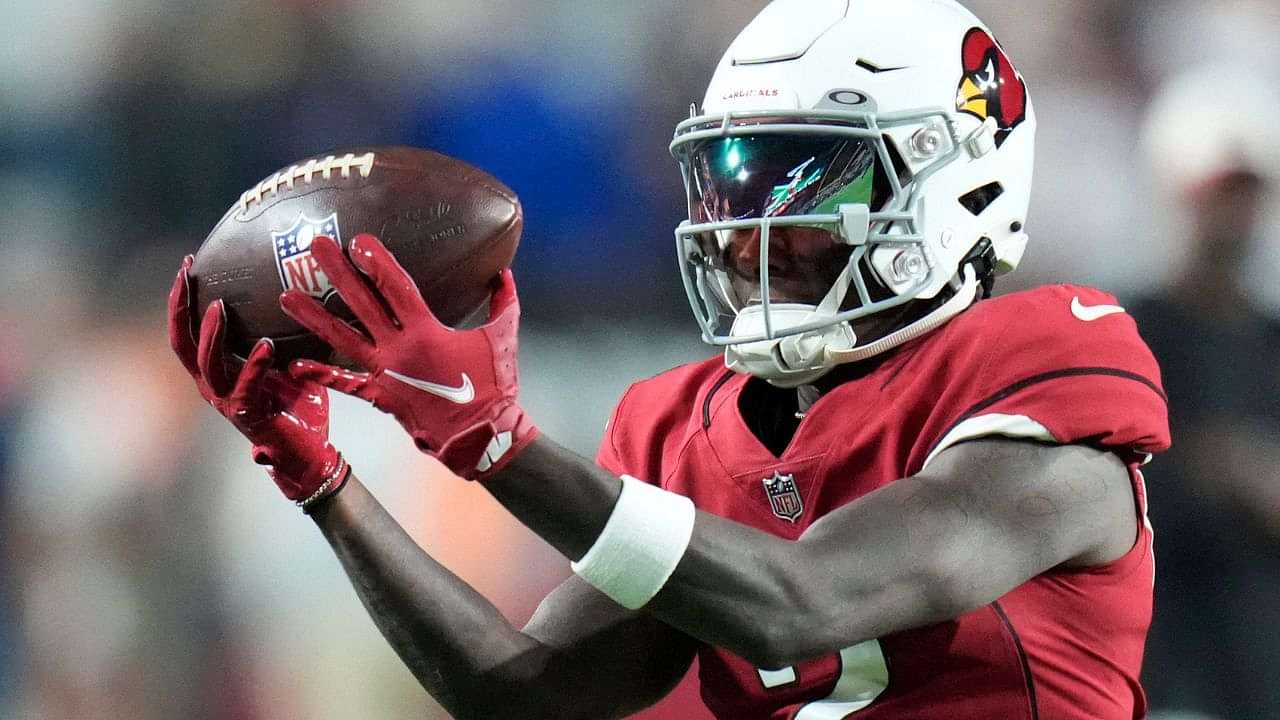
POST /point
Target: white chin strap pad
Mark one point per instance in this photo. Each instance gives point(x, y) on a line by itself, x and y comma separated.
point(801, 358)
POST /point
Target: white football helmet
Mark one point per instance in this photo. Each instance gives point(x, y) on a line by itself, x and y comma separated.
point(854, 166)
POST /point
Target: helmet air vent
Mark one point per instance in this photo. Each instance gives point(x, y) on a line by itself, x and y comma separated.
point(875, 69)
point(976, 201)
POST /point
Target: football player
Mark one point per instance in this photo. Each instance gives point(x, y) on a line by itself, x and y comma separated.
point(892, 497)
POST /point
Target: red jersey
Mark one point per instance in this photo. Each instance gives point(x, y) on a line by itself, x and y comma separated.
point(1060, 364)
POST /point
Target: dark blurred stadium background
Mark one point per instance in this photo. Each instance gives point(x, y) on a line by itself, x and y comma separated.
point(151, 571)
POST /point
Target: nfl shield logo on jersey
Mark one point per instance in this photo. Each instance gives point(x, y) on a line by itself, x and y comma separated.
point(298, 269)
point(784, 498)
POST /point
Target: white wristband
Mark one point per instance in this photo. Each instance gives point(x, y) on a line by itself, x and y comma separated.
point(640, 545)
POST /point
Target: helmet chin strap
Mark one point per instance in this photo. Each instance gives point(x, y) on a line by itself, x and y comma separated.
point(964, 297)
point(803, 358)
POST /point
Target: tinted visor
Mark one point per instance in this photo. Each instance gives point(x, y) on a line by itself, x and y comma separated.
point(777, 175)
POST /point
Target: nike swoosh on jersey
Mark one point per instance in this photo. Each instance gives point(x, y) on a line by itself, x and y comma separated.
point(1089, 313)
point(461, 395)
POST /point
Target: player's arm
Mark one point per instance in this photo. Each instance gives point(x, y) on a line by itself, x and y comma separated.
point(984, 517)
point(581, 656)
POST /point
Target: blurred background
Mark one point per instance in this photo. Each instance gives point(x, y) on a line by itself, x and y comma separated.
point(152, 571)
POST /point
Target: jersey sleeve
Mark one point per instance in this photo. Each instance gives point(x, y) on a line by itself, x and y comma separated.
point(608, 455)
point(654, 420)
point(640, 432)
point(1062, 364)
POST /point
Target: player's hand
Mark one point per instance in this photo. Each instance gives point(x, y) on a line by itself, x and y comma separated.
point(454, 391)
point(287, 420)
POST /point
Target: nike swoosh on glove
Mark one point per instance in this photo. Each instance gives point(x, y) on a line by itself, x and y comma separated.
point(286, 419)
point(454, 391)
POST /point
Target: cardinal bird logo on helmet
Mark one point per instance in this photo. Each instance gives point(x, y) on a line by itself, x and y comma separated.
point(990, 88)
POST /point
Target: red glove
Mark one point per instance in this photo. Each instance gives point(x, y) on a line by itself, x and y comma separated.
point(454, 391)
point(287, 420)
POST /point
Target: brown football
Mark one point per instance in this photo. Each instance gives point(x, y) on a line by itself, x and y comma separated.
point(452, 226)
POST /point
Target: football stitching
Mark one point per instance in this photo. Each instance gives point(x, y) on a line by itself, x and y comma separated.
point(305, 172)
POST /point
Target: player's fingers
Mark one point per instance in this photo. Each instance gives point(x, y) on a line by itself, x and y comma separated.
point(373, 259)
point(249, 384)
point(351, 286)
point(328, 327)
point(180, 337)
point(504, 297)
point(336, 378)
point(210, 355)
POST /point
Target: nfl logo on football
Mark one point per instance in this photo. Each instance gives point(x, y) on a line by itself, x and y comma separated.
point(784, 498)
point(298, 269)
